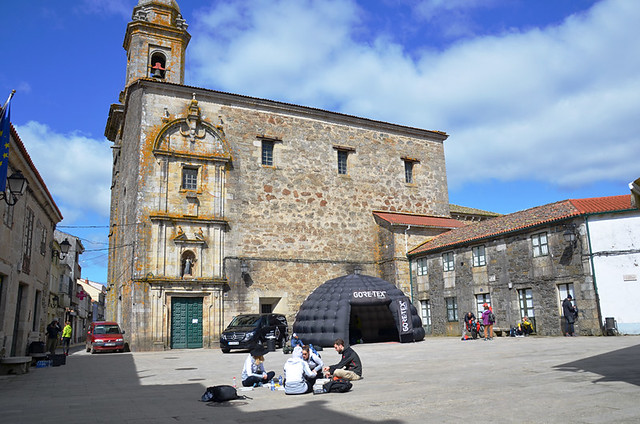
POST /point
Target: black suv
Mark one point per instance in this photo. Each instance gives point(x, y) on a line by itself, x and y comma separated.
point(250, 330)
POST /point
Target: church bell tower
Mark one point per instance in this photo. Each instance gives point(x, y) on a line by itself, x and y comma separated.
point(156, 41)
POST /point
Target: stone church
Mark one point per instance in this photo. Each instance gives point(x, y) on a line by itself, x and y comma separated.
point(224, 203)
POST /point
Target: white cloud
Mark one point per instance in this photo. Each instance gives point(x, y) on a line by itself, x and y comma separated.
point(537, 104)
point(101, 7)
point(75, 168)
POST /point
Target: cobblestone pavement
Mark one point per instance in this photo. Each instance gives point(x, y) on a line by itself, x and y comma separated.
point(439, 380)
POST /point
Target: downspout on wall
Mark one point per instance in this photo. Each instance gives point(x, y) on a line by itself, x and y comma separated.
point(593, 274)
point(406, 251)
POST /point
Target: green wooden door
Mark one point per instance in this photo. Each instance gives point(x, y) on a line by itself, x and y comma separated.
point(186, 322)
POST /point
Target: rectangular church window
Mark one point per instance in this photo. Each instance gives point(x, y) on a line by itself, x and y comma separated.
point(189, 178)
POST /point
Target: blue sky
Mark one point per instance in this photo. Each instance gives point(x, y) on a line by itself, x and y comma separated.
point(540, 98)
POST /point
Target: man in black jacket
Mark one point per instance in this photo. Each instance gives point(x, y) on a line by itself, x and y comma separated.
point(53, 330)
point(569, 312)
point(349, 367)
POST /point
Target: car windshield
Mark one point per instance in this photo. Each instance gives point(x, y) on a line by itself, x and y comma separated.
point(107, 329)
point(245, 321)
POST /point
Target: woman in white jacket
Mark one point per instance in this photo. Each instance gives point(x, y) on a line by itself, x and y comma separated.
point(295, 371)
point(253, 372)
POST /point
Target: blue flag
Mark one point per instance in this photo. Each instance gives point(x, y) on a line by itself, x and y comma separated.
point(5, 140)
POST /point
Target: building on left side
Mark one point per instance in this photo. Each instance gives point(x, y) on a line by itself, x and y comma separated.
point(26, 250)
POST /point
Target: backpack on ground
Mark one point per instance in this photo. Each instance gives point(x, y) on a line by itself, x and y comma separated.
point(221, 393)
point(337, 386)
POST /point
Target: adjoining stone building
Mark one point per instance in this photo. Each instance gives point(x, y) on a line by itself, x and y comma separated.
point(525, 263)
point(26, 240)
point(224, 204)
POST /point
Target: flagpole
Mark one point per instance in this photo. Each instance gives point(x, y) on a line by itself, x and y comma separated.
point(4, 106)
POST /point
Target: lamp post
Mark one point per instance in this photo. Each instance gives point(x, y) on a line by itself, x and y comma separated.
point(570, 235)
point(64, 249)
point(16, 186)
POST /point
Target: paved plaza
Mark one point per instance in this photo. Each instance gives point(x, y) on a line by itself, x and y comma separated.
point(439, 380)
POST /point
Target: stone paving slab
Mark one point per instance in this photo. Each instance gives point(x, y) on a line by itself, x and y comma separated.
point(439, 380)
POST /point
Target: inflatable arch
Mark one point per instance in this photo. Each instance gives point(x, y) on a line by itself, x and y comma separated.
point(357, 307)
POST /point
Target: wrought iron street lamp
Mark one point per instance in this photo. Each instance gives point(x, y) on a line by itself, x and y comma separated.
point(16, 186)
point(64, 249)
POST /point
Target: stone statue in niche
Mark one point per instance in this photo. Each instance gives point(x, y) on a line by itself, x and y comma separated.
point(187, 266)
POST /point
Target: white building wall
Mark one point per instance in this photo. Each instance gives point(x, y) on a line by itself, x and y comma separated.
point(615, 245)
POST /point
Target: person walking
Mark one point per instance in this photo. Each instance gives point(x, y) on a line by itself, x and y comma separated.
point(53, 330)
point(66, 338)
point(569, 311)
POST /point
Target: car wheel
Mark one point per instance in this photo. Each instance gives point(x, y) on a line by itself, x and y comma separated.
point(225, 350)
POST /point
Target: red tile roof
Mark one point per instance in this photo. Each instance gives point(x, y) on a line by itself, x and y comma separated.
point(528, 218)
point(398, 218)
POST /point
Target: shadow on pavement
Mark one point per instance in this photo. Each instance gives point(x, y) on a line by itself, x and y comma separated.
point(618, 365)
point(106, 388)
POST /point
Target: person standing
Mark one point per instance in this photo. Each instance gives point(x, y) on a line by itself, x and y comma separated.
point(569, 312)
point(488, 319)
point(66, 338)
point(53, 330)
point(297, 374)
point(253, 372)
point(349, 367)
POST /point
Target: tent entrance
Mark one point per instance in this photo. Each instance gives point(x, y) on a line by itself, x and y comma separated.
point(372, 324)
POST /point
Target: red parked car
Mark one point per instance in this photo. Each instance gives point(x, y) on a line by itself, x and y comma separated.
point(105, 336)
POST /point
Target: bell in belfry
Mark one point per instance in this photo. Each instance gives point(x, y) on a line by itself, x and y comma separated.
point(157, 71)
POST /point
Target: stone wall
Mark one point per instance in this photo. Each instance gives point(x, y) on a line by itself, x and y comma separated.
point(295, 224)
point(511, 267)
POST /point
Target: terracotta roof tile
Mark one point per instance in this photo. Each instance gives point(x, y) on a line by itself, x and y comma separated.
point(396, 218)
point(528, 218)
point(602, 204)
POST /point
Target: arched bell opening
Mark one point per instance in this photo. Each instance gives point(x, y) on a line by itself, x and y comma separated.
point(187, 262)
point(158, 65)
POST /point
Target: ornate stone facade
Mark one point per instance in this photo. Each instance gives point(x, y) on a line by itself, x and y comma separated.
point(226, 204)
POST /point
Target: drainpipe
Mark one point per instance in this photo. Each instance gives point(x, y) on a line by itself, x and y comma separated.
point(406, 251)
point(406, 242)
point(593, 273)
point(410, 279)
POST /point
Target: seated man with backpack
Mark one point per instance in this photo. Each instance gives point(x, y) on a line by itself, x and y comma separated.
point(525, 326)
point(349, 367)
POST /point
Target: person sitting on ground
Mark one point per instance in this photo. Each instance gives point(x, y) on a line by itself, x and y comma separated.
point(349, 368)
point(253, 372)
point(313, 359)
point(297, 373)
point(525, 326)
point(295, 341)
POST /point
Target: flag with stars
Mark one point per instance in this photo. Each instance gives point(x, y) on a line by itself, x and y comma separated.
point(5, 133)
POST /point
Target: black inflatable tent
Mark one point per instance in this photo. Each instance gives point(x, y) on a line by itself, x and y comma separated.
point(355, 307)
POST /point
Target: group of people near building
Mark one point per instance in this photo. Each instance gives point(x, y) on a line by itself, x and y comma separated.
point(53, 331)
point(303, 367)
point(523, 328)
